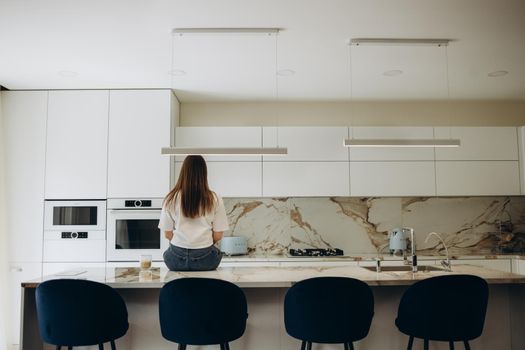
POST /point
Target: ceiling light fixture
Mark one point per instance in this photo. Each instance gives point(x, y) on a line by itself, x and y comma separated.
point(206, 31)
point(67, 73)
point(223, 151)
point(285, 72)
point(177, 72)
point(391, 143)
point(402, 143)
point(228, 151)
point(498, 73)
point(392, 73)
point(397, 41)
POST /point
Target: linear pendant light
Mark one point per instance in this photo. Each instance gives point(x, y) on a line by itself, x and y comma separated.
point(223, 151)
point(402, 143)
point(391, 143)
point(227, 151)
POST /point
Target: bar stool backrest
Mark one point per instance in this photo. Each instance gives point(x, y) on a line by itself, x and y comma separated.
point(444, 308)
point(79, 313)
point(202, 311)
point(329, 310)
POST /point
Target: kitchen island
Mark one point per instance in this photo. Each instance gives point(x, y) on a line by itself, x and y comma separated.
point(265, 288)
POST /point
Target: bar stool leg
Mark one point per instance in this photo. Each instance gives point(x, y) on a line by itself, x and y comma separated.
point(113, 347)
point(100, 346)
point(451, 345)
point(309, 345)
point(410, 343)
point(467, 345)
point(227, 346)
point(223, 347)
point(182, 347)
point(425, 344)
point(69, 347)
point(347, 347)
point(303, 345)
point(58, 347)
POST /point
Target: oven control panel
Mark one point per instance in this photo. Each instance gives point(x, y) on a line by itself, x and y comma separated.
point(74, 235)
point(137, 203)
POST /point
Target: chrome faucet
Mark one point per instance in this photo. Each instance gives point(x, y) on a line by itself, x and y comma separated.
point(444, 263)
point(413, 256)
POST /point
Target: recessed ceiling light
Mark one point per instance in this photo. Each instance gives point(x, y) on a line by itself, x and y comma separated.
point(392, 73)
point(177, 72)
point(285, 72)
point(498, 73)
point(67, 73)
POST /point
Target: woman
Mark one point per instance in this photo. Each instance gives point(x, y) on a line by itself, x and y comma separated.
point(193, 219)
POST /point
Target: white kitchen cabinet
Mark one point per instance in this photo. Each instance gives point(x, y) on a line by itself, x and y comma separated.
point(18, 272)
point(392, 179)
point(518, 266)
point(77, 138)
point(323, 179)
point(140, 123)
point(495, 264)
point(394, 153)
point(477, 178)
point(479, 143)
point(219, 137)
point(57, 249)
point(233, 179)
point(24, 116)
point(307, 143)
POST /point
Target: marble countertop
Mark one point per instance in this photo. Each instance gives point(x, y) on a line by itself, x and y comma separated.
point(253, 257)
point(272, 277)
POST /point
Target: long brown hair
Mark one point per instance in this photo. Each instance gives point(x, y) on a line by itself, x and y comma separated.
point(192, 186)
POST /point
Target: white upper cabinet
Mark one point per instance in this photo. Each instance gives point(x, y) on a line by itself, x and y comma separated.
point(233, 179)
point(392, 179)
point(24, 133)
point(77, 138)
point(477, 178)
point(139, 126)
point(308, 179)
point(391, 154)
point(479, 143)
point(316, 144)
point(219, 137)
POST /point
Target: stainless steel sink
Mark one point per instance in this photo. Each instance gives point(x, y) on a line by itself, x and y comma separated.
point(404, 268)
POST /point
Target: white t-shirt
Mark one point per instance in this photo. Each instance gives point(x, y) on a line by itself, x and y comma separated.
point(193, 233)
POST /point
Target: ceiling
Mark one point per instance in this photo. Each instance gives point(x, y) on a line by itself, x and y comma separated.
point(63, 44)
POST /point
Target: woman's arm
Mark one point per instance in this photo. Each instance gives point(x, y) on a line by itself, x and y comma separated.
point(168, 235)
point(217, 236)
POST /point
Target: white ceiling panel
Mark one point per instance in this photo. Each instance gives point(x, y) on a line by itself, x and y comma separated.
point(129, 44)
point(421, 72)
point(224, 66)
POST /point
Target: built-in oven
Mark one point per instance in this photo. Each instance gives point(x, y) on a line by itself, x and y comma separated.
point(132, 229)
point(74, 231)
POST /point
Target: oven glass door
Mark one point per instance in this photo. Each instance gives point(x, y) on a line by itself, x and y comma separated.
point(75, 215)
point(134, 232)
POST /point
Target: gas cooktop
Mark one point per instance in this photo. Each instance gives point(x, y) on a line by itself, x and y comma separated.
point(315, 252)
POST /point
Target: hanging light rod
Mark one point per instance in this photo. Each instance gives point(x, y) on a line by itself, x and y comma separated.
point(224, 151)
point(399, 41)
point(182, 31)
point(402, 143)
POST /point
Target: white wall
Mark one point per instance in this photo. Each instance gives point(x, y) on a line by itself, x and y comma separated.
point(3, 243)
point(371, 113)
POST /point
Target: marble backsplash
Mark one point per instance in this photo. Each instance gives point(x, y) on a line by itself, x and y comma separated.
point(469, 225)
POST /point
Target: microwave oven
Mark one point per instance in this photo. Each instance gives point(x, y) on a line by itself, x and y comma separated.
point(75, 215)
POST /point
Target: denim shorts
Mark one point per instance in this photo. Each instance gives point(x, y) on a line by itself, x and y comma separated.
point(182, 259)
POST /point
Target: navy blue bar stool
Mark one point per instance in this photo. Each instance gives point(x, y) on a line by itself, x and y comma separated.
point(329, 310)
point(445, 308)
point(80, 313)
point(202, 311)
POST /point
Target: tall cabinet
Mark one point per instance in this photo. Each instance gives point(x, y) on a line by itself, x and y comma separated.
point(77, 134)
point(140, 124)
point(24, 136)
